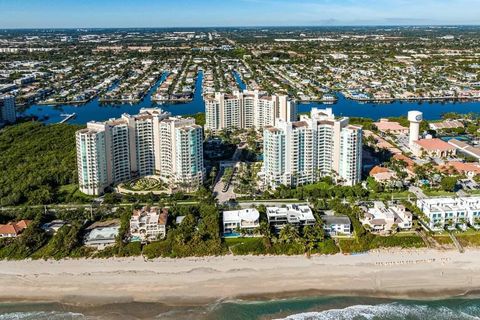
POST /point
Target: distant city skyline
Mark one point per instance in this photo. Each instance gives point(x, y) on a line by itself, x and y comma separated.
point(218, 13)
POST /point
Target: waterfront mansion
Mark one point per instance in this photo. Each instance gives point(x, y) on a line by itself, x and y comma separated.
point(148, 224)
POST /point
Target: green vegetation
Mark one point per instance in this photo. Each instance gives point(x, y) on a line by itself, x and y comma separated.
point(36, 160)
point(468, 240)
point(197, 235)
point(370, 242)
point(443, 239)
point(32, 239)
point(438, 193)
point(449, 183)
point(199, 118)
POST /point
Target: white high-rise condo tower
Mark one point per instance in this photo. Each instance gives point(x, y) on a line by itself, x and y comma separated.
point(415, 117)
point(303, 151)
point(247, 109)
point(150, 143)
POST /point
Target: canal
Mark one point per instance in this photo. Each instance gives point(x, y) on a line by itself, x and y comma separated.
point(94, 110)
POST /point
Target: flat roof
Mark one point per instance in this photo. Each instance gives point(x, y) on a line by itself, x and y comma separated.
point(336, 219)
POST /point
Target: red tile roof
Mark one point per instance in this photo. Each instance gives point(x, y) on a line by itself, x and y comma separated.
point(377, 169)
point(14, 228)
point(434, 144)
point(460, 167)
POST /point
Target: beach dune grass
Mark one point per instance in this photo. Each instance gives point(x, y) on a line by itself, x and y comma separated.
point(371, 242)
point(469, 240)
point(257, 246)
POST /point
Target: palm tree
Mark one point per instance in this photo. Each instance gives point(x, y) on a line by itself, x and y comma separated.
point(310, 238)
point(264, 230)
point(288, 234)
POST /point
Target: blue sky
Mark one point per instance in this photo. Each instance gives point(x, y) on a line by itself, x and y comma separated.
point(193, 13)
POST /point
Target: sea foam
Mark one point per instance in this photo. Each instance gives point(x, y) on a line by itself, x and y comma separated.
point(390, 311)
point(41, 315)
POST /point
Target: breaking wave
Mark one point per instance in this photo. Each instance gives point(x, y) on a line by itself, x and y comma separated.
point(42, 315)
point(393, 311)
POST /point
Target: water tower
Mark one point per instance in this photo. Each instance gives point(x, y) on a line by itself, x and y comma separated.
point(415, 117)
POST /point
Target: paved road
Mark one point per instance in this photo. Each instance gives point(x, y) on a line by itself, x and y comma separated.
point(221, 196)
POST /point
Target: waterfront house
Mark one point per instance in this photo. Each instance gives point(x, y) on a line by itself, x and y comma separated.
point(102, 234)
point(385, 219)
point(237, 222)
point(148, 224)
point(52, 227)
point(337, 225)
point(294, 214)
point(13, 229)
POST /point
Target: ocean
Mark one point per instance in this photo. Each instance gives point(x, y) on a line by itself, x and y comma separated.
point(309, 308)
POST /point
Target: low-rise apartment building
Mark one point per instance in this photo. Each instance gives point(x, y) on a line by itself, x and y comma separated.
point(148, 224)
point(294, 214)
point(237, 222)
point(451, 213)
point(384, 219)
point(432, 147)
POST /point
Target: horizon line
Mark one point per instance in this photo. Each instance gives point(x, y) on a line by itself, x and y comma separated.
point(251, 26)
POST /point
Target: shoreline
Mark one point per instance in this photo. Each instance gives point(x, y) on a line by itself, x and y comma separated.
point(401, 274)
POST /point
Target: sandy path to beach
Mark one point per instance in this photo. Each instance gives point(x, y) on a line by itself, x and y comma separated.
point(397, 273)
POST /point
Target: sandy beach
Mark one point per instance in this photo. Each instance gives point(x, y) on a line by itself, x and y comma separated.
point(393, 273)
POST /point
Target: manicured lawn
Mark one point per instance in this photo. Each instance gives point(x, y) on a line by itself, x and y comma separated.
point(438, 193)
point(394, 195)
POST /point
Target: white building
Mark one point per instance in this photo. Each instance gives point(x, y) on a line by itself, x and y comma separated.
point(247, 109)
point(150, 143)
point(301, 152)
point(238, 220)
point(148, 224)
point(382, 219)
point(451, 213)
point(102, 234)
point(337, 225)
point(7, 109)
point(294, 214)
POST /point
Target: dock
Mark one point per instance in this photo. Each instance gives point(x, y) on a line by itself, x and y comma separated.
point(67, 117)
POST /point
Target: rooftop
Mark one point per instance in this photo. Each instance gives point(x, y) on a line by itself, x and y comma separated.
point(239, 215)
point(386, 125)
point(329, 220)
point(434, 144)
